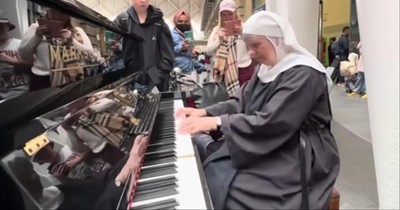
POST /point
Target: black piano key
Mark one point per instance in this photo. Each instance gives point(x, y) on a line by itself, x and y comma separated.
point(160, 161)
point(161, 143)
point(164, 204)
point(157, 181)
point(161, 170)
point(158, 135)
point(157, 154)
point(157, 194)
point(153, 159)
point(154, 187)
point(155, 148)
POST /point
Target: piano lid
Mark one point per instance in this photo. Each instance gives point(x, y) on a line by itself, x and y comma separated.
point(78, 10)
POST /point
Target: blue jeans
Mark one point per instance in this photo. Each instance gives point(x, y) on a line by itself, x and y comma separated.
point(360, 86)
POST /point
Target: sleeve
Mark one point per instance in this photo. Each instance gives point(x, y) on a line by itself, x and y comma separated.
point(250, 137)
point(346, 44)
point(166, 49)
point(213, 42)
point(177, 44)
point(29, 42)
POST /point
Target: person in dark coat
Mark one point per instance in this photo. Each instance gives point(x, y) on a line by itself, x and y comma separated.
point(147, 22)
point(286, 102)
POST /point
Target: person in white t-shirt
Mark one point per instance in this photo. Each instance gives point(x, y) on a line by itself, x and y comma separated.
point(35, 47)
point(13, 78)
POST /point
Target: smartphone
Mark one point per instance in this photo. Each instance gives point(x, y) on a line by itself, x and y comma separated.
point(229, 25)
point(54, 27)
point(189, 36)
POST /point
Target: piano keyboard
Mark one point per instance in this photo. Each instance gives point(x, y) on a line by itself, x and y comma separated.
point(169, 176)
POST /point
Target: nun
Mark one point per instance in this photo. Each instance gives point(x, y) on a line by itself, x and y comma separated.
point(280, 117)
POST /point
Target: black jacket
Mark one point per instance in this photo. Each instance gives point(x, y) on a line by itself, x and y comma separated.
point(157, 51)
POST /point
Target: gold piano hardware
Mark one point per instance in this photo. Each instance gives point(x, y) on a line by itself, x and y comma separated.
point(135, 121)
point(126, 101)
point(35, 144)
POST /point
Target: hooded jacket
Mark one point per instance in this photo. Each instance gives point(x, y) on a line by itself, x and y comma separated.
point(157, 52)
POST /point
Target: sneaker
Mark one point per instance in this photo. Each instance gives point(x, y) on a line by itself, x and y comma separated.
point(364, 96)
point(352, 94)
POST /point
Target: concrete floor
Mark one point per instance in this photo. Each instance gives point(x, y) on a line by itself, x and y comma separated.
point(357, 181)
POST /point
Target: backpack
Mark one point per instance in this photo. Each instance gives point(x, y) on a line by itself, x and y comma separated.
point(335, 48)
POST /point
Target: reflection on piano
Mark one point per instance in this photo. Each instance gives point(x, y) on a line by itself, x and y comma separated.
point(170, 175)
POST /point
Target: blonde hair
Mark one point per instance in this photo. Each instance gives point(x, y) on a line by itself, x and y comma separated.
point(220, 19)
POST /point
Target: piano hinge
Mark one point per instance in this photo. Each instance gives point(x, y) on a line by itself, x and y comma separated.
point(34, 145)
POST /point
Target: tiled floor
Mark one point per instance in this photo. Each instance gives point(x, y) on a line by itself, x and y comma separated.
point(356, 182)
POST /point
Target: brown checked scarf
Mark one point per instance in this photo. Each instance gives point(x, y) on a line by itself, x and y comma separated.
point(106, 126)
point(225, 65)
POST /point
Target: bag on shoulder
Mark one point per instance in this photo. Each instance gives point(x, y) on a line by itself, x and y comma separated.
point(211, 93)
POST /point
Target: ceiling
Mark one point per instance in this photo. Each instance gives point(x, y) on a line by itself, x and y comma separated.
point(111, 8)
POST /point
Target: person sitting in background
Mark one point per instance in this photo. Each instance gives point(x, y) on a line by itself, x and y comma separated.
point(34, 46)
point(182, 46)
point(116, 60)
point(14, 77)
point(282, 111)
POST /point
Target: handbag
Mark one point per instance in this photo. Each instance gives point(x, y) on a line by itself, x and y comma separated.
point(211, 93)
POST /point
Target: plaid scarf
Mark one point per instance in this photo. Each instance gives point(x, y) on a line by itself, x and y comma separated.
point(64, 71)
point(225, 66)
point(106, 126)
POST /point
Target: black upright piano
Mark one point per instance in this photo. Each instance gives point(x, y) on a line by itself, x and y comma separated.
point(63, 146)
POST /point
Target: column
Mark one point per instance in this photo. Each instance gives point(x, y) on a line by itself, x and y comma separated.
point(303, 16)
point(379, 31)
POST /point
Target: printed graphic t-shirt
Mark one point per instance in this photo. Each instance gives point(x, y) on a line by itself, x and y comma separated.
point(12, 82)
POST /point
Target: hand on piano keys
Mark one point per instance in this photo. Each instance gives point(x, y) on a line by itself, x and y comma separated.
point(182, 113)
point(132, 165)
point(193, 125)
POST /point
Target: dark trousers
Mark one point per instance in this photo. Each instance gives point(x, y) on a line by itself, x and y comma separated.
point(206, 145)
point(38, 82)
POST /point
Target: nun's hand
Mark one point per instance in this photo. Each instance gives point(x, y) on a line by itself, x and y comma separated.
point(189, 112)
point(195, 125)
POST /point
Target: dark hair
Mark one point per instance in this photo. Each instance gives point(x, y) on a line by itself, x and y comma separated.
point(345, 29)
point(332, 39)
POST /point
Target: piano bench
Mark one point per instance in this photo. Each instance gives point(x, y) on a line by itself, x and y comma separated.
point(334, 203)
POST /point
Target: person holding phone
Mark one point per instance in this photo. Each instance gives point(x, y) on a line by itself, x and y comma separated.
point(183, 44)
point(225, 39)
point(34, 47)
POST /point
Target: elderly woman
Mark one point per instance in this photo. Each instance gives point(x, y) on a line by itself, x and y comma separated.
point(182, 46)
point(284, 106)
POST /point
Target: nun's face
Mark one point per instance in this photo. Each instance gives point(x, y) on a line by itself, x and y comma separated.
point(261, 49)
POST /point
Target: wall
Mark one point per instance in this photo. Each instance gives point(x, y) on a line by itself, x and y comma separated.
point(382, 73)
point(336, 16)
point(17, 13)
point(303, 16)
